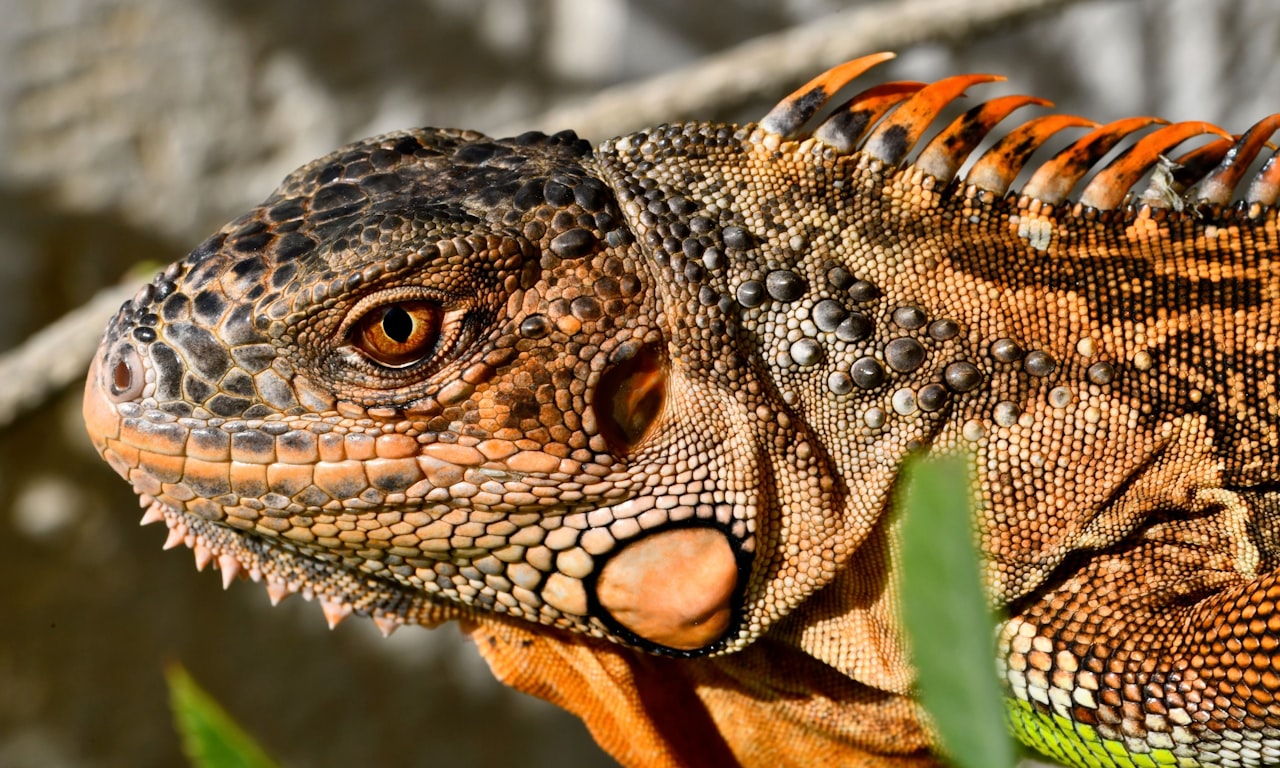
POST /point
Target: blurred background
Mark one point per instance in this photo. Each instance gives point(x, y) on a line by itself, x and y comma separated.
point(129, 129)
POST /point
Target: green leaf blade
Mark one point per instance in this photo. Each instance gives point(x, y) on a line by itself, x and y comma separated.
point(945, 612)
point(210, 738)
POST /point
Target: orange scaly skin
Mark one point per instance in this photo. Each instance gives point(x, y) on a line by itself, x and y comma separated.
point(634, 414)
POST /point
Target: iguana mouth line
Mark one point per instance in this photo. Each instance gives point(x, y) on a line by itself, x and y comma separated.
point(287, 570)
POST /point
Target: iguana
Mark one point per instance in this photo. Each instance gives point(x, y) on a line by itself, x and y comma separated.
point(634, 415)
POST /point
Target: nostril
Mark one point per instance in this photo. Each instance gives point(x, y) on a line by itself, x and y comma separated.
point(122, 377)
point(125, 379)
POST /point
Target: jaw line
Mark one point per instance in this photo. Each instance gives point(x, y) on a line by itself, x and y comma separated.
point(287, 570)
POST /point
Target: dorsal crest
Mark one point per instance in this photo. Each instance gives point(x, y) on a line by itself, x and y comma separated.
point(887, 122)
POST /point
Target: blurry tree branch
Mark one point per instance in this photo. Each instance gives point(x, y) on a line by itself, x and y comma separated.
point(59, 354)
point(771, 65)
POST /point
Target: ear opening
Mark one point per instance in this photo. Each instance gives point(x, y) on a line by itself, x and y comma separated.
point(630, 397)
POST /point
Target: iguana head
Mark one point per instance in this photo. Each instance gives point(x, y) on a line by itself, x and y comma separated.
point(436, 374)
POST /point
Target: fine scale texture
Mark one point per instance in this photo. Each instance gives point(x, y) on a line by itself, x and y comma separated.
point(634, 414)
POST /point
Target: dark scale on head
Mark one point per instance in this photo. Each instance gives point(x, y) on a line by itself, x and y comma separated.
point(909, 318)
point(292, 246)
point(1006, 350)
point(784, 285)
point(736, 237)
point(585, 308)
point(828, 314)
point(251, 243)
point(691, 247)
point(1038, 363)
point(681, 206)
point(861, 291)
point(557, 193)
point(962, 376)
point(751, 294)
point(573, 243)
point(932, 397)
point(145, 296)
point(713, 258)
point(205, 250)
point(867, 372)
point(943, 330)
point(286, 210)
point(209, 306)
point(904, 354)
point(337, 200)
point(839, 278)
point(169, 372)
point(197, 390)
point(855, 327)
point(1101, 373)
point(201, 349)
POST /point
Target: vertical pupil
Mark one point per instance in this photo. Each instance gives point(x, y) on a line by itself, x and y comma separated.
point(397, 324)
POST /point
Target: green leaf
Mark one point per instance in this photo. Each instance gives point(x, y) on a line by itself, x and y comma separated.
point(210, 738)
point(945, 612)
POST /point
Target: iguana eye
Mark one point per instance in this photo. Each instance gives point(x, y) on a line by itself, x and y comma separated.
point(399, 335)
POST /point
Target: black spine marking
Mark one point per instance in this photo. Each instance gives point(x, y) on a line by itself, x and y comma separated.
point(1220, 185)
point(1265, 188)
point(1110, 186)
point(895, 137)
point(946, 152)
point(998, 166)
point(789, 116)
point(1054, 179)
point(844, 129)
point(1191, 167)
